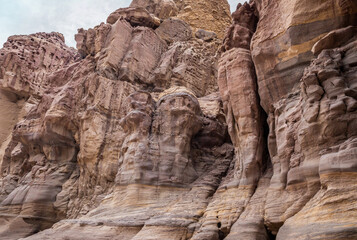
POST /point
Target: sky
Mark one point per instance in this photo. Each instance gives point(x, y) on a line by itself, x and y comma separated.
point(64, 16)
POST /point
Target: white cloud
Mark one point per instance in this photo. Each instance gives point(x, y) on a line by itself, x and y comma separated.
point(64, 16)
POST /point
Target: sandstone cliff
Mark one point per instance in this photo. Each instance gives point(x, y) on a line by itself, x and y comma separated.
point(175, 120)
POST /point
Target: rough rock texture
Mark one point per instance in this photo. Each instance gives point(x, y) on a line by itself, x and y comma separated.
point(310, 115)
point(238, 88)
point(173, 30)
point(27, 60)
point(135, 16)
point(285, 34)
point(324, 153)
point(161, 8)
point(210, 15)
point(156, 129)
point(136, 121)
point(240, 33)
point(30, 67)
point(205, 35)
point(311, 111)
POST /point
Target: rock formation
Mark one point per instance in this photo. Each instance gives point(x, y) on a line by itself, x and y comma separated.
point(208, 15)
point(161, 125)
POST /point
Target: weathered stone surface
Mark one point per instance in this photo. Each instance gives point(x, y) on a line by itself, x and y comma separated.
point(186, 64)
point(326, 154)
point(113, 51)
point(212, 16)
point(161, 8)
point(136, 140)
point(208, 15)
point(26, 60)
point(11, 107)
point(205, 35)
point(93, 135)
point(238, 89)
point(167, 162)
point(286, 32)
point(240, 33)
point(334, 39)
point(135, 16)
point(31, 66)
point(303, 108)
point(173, 30)
point(250, 224)
point(142, 56)
point(91, 41)
point(303, 133)
point(124, 53)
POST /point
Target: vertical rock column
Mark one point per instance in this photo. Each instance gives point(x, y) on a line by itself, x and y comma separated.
point(238, 89)
point(241, 104)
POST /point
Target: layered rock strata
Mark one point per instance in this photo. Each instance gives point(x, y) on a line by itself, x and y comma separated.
point(127, 122)
point(245, 118)
point(30, 67)
point(157, 129)
point(304, 125)
point(303, 122)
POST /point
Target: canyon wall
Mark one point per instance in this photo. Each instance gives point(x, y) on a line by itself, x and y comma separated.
point(175, 120)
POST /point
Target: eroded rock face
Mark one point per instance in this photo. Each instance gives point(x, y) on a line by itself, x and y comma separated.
point(174, 30)
point(208, 15)
point(135, 16)
point(33, 168)
point(305, 122)
point(324, 152)
point(205, 35)
point(124, 120)
point(302, 116)
point(238, 89)
point(240, 33)
point(244, 116)
point(281, 54)
point(156, 129)
point(160, 8)
point(26, 60)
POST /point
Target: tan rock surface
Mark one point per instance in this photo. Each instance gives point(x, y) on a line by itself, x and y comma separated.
point(149, 132)
point(286, 32)
point(238, 88)
point(326, 139)
point(303, 108)
point(161, 8)
point(92, 137)
point(135, 16)
point(210, 15)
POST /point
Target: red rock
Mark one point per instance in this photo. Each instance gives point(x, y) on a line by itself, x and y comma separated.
point(174, 30)
point(135, 16)
point(133, 138)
